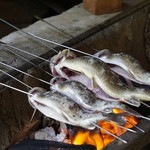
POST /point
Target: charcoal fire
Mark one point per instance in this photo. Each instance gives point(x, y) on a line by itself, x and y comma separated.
point(78, 136)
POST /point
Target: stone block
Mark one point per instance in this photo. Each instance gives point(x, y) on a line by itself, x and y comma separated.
point(98, 7)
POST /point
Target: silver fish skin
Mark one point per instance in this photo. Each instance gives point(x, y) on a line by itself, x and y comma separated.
point(61, 108)
point(78, 92)
point(101, 75)
point(87, 99)
point(132, 68)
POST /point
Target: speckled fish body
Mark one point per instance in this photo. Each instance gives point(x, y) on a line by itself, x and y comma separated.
point(101, 75)
point(80, 94)
point(126, 66)
point(88, 83)
point(76, 91)
point(62, 108)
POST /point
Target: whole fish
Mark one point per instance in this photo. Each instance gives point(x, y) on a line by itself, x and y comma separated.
point(61, 108)
point(126, 66)
point(88, 83)
point(101, 75)
point(86, 99)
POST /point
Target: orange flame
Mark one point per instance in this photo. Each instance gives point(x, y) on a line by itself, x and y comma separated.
point(100, 138)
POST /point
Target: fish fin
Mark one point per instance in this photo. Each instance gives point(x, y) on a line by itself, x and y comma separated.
point(93, 83)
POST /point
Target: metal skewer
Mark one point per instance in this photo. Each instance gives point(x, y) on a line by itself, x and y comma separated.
point(109, 133)
point(67, 35)
point(25, 73)
point(11, 87)
point(145, 104)
point(46, 40)
point(143, 117)
point(27, 34)
point(25, 52)
point(121, 127)
point(64, 46)
point(33, 114)
point(136, 127)
point(29, 62)
point(15, 79)
point(23, 84)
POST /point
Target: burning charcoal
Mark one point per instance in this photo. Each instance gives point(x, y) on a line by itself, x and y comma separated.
point(50, 134)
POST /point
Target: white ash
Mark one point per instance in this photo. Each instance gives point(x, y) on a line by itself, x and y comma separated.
point(48, 133)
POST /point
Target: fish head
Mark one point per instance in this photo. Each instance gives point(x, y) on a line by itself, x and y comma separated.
point(40, 100)
point(57, 79)
point(62, 86)
point(60, 57)
point(56, 87)
point(32, 93)
point(104, 52)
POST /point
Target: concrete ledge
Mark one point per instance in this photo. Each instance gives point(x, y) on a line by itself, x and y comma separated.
point(69, 21)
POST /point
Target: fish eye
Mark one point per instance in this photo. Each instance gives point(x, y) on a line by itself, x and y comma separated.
point(107, 110)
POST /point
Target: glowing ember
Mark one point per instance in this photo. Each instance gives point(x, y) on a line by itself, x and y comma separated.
point(88, 137)
point(100, 138)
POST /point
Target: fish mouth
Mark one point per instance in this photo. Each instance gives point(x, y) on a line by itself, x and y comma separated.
point(60, 57)
point(35, 91)
point(57, 79)
point(66, 71)
point(65, 54)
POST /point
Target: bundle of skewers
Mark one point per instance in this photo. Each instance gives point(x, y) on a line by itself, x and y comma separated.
point(85, 90)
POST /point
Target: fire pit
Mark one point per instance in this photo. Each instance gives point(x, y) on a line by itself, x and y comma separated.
point(93, 37)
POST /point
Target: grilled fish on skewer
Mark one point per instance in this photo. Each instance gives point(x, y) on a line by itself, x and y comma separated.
point(101, 75)
point(126, 66)
point(62, 108)
point(87, 99)
point(88, 83)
